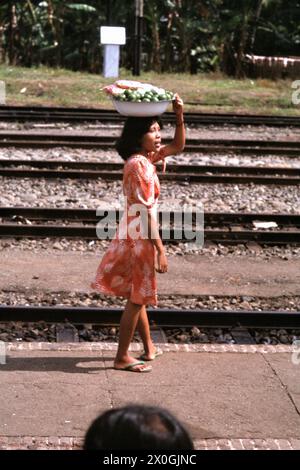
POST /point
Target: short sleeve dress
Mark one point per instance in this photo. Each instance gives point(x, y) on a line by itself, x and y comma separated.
point(127, 268)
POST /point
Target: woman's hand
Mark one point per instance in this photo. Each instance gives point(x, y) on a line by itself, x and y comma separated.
point(177, 105)
point(162, 263)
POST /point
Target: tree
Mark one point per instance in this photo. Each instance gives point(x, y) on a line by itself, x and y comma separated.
point(179, 35)
point(242, 21)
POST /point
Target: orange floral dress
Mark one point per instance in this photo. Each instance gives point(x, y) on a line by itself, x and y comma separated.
point(127, 268)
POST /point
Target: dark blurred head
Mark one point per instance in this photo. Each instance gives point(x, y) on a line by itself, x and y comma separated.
point(137, 427)
point(134, 129)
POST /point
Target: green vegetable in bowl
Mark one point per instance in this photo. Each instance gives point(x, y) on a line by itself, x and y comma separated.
point(147, 95)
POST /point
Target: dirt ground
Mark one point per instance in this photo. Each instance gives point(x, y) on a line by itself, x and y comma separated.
point(189, 274)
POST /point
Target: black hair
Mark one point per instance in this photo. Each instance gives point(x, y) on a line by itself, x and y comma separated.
point(137, 427)
point(133, 131)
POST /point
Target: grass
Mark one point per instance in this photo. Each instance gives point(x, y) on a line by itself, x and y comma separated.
point(42, 86)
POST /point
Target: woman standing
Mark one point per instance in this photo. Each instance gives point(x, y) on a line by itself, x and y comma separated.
point(128, 267)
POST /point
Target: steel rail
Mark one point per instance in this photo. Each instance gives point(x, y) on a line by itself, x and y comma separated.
point(220, 228)
point(72, 137)
point(56, 114)
point(39, 140)
point(177, 168)
point(114, 171)
point(278, 237)
point(157, 317)
point(89, 215)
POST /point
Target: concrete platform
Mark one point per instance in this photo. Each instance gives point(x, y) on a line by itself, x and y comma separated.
point(220, 397)
point(189, 274)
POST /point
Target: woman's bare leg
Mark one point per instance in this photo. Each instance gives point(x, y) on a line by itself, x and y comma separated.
point(128, 325)
point(143, 328)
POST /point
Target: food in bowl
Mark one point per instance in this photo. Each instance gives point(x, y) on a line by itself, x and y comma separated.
point(137, 92)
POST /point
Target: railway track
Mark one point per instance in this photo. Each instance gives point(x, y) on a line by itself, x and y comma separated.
point(114, 171)
point(247, 147)
point(57, 114)
point(157, 317)
point(81, 223)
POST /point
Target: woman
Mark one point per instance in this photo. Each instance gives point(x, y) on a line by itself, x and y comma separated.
point(128, 267)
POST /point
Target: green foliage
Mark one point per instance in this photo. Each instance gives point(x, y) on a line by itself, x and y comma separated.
point(178, 35)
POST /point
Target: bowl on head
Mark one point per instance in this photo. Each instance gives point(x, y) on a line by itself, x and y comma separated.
point(143, 109)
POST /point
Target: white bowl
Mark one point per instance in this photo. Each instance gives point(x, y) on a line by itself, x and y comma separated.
point(143, 109)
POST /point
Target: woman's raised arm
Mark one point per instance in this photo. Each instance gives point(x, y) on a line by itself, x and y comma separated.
point(178, 143)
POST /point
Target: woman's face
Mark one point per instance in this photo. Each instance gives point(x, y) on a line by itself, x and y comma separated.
point(151, 141)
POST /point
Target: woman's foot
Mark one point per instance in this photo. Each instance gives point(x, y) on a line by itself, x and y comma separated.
point(151, 355)
point(132, 365)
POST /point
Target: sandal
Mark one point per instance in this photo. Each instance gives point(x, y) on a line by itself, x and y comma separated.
point(158, 352)
point(133, 367)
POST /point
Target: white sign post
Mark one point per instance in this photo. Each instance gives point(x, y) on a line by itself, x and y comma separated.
point(2, 92)
point(2, 353)
point(112, 38)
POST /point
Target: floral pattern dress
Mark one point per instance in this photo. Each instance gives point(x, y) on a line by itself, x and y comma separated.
point(127, 268)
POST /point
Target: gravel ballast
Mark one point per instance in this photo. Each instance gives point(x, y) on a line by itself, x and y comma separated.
point(42, 331)
point(111, 156)
point(91, 194)
point(56, 245)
